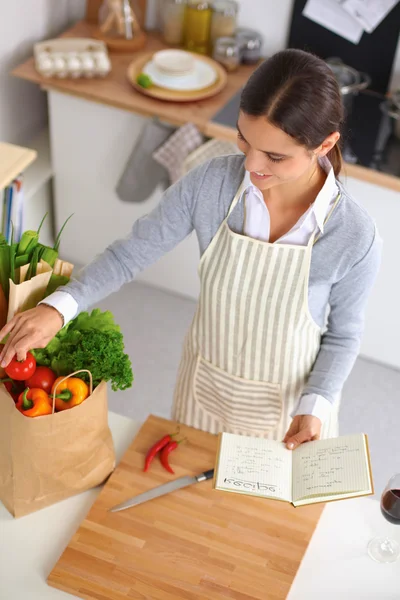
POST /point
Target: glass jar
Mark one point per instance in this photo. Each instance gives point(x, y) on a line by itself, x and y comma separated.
point(173, 16)
point(197, 26)
point(223, 23)
point(227, 53)
point(118, 19)
point(251, 45)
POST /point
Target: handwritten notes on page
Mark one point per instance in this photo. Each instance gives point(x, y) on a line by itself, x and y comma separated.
point(254, 466)
point(329, 467)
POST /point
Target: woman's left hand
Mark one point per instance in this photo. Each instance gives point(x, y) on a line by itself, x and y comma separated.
point(304, 428)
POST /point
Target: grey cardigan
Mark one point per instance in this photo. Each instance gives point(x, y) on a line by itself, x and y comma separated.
point(345, 260)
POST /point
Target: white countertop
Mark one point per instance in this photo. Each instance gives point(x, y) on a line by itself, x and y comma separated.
point(335, 565)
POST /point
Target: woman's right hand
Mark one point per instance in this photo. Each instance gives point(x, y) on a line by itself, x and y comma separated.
point(28, 330)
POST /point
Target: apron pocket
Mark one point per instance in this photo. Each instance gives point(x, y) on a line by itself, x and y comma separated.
point(238, 404)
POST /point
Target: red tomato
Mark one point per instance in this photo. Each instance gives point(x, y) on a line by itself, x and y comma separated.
point(14, 388)
point(42, 378)
point(21, 370)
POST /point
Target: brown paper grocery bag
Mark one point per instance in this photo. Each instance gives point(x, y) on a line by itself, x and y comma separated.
point(46, 459)
point(27, 294)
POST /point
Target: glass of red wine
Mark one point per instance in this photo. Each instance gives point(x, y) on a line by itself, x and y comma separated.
point(384, 549)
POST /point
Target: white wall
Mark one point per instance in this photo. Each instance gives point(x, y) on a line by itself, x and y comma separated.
point(23, 105)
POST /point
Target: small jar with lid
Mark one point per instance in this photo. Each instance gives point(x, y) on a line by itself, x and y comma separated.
point(197, 26)
point(227, 53)
point(250, 44)
point(173, 18)
point(224, 18)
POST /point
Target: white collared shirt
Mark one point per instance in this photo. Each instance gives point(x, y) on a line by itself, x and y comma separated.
point(257, 225)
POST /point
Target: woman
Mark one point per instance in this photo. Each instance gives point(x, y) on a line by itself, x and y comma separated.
point(281, 241)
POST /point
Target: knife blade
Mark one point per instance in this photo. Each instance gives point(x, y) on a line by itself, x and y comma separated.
point(161, 490)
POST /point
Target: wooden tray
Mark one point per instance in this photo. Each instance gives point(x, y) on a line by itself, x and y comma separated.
point(193, 544)
point(135, 68)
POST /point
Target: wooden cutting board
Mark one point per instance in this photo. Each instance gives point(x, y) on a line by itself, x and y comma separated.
point(193, 544)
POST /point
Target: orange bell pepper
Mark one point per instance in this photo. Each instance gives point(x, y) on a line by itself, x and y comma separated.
point(34, 403)
point(70, 392)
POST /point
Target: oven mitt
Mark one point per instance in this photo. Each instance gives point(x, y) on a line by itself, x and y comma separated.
point(173, 153)
point(211, 149)
point(142, 173)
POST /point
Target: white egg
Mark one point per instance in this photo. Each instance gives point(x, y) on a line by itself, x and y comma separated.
point(60, 66)
point(88, 65)
point(74, 65)
point(45, 65)
point(103, 65)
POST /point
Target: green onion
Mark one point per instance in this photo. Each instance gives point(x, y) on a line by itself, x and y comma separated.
point(29, 240)
point(33, 264)
point(21, 261)
point(49, 255)
point(13, 252)
point(55, 282)
point(4, 265)
point(58, 238)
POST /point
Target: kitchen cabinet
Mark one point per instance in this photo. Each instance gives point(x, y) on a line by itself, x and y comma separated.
point(90, 146)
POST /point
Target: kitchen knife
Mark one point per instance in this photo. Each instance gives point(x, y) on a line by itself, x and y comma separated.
point(163, 489)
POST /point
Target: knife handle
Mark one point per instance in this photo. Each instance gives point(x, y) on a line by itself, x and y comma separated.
point(206, 475)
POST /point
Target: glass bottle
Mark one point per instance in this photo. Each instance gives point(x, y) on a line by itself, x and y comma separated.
point(197, 26)
point(223, 23)
point(173, 16)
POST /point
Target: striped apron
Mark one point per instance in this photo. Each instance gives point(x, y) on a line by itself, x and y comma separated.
point(252, 343)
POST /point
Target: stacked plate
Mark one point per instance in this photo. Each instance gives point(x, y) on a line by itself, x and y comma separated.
point(177, 76)
point(180, 71)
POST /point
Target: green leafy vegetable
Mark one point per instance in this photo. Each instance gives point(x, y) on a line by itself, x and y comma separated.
point(90, 341)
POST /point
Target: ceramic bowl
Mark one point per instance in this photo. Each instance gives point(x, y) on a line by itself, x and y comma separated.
point(174, 62)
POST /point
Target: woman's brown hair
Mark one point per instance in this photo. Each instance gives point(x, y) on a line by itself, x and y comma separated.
point(297, 92)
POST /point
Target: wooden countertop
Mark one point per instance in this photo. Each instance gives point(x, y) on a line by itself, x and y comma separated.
point(115, 90)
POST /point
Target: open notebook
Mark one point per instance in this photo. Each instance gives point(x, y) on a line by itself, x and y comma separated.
point(317, 471)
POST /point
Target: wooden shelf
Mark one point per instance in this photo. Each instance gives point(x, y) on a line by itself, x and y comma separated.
point(116, 91)
point(13, 161)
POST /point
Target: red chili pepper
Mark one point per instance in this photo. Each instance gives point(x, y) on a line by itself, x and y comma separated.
point(154, 449)
point(165, 452)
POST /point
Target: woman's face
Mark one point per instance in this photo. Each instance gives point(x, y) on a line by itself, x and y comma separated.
point(272, 157)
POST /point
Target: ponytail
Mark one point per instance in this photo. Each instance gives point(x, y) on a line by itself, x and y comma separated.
point(335, 158)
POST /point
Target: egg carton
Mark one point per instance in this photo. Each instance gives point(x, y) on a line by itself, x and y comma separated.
point(72, 57)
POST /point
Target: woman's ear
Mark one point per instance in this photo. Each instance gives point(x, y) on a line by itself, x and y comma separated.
point(327, 144)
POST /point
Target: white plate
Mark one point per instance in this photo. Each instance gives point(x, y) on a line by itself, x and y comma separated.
point(202, 76)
